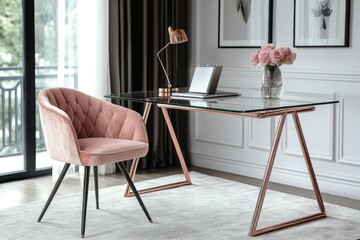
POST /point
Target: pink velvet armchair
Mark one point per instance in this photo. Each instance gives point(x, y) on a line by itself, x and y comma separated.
point(86, 131)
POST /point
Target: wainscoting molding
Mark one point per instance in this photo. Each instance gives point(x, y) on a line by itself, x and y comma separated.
point(349, 134)
point(229, 132)
point(289, 73)
point(322, 121)
point(261, 133)
point(345, 187)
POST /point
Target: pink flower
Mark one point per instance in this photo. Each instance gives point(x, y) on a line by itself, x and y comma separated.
point(288, 51)
point(290, 59)
point(254, 58)
point(270, 55)
point(277, 56)
point(269, 46)
point(264, 57)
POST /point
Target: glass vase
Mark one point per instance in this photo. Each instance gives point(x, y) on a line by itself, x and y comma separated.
point(271, 86)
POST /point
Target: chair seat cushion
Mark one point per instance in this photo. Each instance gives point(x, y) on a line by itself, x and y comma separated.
point(99, 151)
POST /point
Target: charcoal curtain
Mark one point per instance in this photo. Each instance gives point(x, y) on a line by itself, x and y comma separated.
point(137, 31)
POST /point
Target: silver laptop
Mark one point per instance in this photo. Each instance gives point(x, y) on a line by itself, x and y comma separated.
point(204, 84)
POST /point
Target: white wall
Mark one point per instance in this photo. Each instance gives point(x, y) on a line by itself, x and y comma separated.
point(241, 146)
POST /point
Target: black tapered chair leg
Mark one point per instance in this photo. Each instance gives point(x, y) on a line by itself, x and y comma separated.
point(53, 192)
point(132, 186)
point(85, 198)
point(96, 183)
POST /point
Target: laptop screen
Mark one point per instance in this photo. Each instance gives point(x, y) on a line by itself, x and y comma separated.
point(205, 79)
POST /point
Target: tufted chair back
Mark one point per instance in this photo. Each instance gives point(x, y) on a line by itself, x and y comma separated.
point(69, 115)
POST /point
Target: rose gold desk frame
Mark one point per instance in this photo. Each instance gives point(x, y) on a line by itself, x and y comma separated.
point(178, 151)
point(282, 113)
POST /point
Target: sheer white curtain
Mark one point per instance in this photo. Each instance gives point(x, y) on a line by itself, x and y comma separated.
point(67, 56)
point(93, 51)
point(83, 42)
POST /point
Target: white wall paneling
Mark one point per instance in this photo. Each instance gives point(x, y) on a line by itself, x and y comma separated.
point(319, 131)
point(261, 133)
point(349, 149)
point(219, 129)
point(332, 132)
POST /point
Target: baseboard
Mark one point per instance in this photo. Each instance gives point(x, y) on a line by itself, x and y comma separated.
point(328, 184)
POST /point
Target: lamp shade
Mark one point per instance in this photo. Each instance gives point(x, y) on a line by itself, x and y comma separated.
point(177, 36)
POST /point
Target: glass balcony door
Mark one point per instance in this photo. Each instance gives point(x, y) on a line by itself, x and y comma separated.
point(38, 49)
point(11, 76)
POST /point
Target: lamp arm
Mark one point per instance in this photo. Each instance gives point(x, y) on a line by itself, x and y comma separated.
point(162, 65)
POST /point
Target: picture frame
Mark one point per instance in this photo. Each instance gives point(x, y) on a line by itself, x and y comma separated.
point(321, 23)
point(244, 23)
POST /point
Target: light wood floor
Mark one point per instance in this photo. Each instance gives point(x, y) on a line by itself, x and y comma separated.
point(24, 191)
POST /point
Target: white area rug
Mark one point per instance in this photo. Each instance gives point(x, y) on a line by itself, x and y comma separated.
point(210, 208)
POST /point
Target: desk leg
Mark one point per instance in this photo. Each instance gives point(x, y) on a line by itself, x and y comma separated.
point(308, 163)
point(253, 231)
point(177, 146)
point(178, 151)
point(136, 160)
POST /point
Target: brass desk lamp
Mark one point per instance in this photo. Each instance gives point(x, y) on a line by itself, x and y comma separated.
point(176, 36)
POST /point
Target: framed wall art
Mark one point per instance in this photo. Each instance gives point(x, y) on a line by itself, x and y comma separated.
point(244, 23)
point(321, 23)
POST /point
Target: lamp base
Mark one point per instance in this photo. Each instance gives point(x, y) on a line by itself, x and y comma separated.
point(167, 91)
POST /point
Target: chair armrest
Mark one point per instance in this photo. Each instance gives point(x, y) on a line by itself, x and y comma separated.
point(123, 123)
point(59, 133)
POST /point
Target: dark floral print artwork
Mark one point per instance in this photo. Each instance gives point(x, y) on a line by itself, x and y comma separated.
point(323, 10)
point(245, 7)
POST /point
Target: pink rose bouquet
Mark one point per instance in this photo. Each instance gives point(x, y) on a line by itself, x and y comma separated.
point(270, 55)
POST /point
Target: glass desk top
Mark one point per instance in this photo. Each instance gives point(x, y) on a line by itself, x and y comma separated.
point(248, 101)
